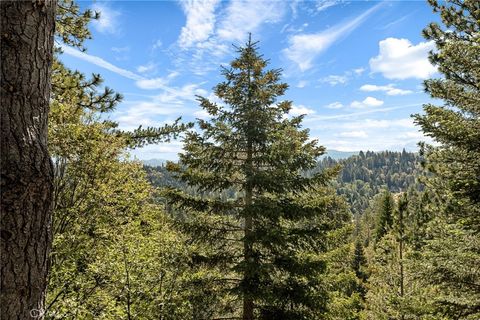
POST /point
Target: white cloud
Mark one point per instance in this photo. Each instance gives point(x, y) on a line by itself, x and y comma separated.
point(187, 92)
point(315, 118)
point(363, 124)
point(171, 103)
point(359, 71)
point(336, 79)
point(333, 80)
point(141, 113)
point(388, 89)
point(202, 114)
point(121, 53)
point(334, 105)
point(292, 29)
point(298, 110)
point(322, 5)
point(244, 16)
point(211, 28)
point(302, 84)
point(367, 102)
point(167, 151)
point(149, 67)
point(379, 124)
point(353, 134)
point(304, 48)
point(154, 83)
point(157, 44)
point(200, 21)
point(99, 62)
point(108, 21)
point(395, 22)
point(120, 49)
point(368, 134)
point(400, 59)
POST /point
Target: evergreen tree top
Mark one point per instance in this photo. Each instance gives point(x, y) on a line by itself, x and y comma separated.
point(250, 133)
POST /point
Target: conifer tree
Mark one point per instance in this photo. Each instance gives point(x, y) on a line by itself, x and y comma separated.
point(267, 239)
point(384, 215)
point(456, 124)
point(114, 253)
point(451, 255)
point(394, 291)
point(359, 261)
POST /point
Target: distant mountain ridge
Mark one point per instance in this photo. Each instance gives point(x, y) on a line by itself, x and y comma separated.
point(154, 162)
point(338, 155)
point(334, 154)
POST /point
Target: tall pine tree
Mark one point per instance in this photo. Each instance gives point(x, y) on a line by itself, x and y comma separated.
point(268, 238)
point(451, 256)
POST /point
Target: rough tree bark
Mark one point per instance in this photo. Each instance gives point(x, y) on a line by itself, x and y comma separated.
point(27, 29)
point(248, 304)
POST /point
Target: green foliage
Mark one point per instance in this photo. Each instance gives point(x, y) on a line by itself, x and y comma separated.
point(450, 262)
point(385, 299)
point(384, 215)
point(253, 226)
point(115, 253)
point(451, 249)
point(266, 240)
point(394, 289)
point(344, 275)
point(365, 175)
point(72, 24)
point(455, 125)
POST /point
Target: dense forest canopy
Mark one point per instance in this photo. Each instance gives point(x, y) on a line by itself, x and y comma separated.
point(254, 220)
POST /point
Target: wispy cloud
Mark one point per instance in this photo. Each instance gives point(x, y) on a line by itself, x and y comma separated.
point(167, 151)
point(389, 89)
point(347, 134)
point(353, 134)
point(336, 79)
point(388, 25)
point(302, 84)
point(359, 71)
point(157, 44)
point(121, 49)
point(146, 68)
point(172, 103)
point(333, 80)
point(141, 82)
point(322, 5)
point(334, 105)
point(99, 62)
point(210, 29)
point(304, 48)
point(244, 16)
point(200, 21)
point(314, 118)
point(109, 18)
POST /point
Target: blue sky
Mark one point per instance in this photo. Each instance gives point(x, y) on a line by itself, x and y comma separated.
point(355, 68)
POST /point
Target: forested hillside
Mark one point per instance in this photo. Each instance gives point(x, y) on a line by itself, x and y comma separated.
point(364, 176)
point(254, 221)
point(361, 176)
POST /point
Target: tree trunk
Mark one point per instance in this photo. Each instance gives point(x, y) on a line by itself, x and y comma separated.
point(247, 244)
point(247, 299)
point(27, 29)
